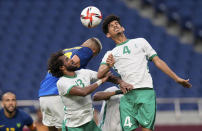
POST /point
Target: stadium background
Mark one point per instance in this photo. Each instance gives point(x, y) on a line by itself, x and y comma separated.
point(30, 30)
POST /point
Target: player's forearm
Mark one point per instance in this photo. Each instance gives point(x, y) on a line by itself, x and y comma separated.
point(115, 79)
point(164, 67)
point(89, 89)
point(102, 96)
point(103, 69)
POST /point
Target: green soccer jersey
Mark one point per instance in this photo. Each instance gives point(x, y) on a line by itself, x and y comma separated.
point(131, 59)
point(78, 109)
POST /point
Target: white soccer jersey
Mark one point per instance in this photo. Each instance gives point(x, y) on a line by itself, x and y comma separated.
point(78, 109)
point(131, 59)
point(110, 115)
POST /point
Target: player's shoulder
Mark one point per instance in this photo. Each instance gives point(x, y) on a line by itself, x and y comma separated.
point(109, 52)
point(138, 40)
point(73, 48)
point(84, 71)
point(22, 113)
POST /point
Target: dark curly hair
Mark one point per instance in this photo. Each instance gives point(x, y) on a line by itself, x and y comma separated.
point(107, 20)
point(54, 64)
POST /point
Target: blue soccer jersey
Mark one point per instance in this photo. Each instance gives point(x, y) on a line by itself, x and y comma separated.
point(48, 85)
point(16, 123)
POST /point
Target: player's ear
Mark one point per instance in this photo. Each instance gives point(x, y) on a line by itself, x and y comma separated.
point(95, 52)
point(108, 35)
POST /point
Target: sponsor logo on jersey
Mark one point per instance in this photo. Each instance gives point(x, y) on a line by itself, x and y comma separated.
point(18, 125)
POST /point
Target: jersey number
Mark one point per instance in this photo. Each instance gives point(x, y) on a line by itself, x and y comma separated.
point(127, 122)
point(10, 129)
point(80, 83)
point(126, 50)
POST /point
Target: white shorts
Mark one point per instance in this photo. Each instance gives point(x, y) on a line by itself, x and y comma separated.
point(52, 110)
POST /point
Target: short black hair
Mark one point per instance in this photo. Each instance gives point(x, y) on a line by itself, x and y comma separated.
point(107, 20)
point(54, 64)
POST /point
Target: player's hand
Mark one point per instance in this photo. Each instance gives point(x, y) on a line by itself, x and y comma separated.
point(183, 82)
point(110, 60)
point(125, 87)
point(105, 78)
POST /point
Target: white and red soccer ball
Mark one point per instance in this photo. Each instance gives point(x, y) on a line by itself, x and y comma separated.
point(91, 16)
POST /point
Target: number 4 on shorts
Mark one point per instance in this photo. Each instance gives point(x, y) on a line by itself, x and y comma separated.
point(127, 121)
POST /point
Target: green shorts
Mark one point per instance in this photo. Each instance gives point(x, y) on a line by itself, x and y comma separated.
point(90, 126)
point(138, 107)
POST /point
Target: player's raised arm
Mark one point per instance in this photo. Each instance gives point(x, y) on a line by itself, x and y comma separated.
point(107, 62)
point(103, 69)
point(164, 67)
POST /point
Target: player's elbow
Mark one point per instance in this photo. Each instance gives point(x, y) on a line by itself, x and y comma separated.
point(84, 93)
point(99, 75)
point(96, 97)
point(157, 61)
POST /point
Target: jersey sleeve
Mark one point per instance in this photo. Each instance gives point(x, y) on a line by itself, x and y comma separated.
point(104, 59)
point(85, 54)
point(92, 75)
point(150, 52)
point(64, 86)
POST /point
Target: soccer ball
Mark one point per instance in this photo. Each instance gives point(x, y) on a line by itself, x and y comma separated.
point(91, 17)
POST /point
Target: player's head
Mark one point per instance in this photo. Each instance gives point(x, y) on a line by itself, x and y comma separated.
point(9, 102)
point(94, 44)
point(112, 26)
point(58, 63)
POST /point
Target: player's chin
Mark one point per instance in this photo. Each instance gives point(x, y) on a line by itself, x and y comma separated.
point(11, 109)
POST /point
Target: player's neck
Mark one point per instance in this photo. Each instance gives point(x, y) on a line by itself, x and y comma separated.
point(8, 114)
point(69, 73)
point(119, 39)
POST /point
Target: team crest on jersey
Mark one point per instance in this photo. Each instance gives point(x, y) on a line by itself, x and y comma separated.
point(18, 125)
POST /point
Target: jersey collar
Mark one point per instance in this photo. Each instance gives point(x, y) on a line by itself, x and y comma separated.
point(123, 42)
point(71, 76)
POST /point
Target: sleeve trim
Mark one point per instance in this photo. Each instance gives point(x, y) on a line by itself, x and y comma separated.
point(150, 58)
point(70, 89)
point(103, 63)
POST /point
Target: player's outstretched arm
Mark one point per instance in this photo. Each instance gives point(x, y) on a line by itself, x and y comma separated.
point(164, 67)
point(78, 91)
point(101, 95)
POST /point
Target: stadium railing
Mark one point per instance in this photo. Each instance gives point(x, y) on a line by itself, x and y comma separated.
point(177, 115)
